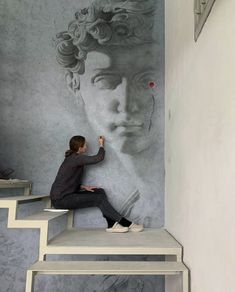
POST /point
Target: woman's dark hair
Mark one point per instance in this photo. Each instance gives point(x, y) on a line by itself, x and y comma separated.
point(74, 144)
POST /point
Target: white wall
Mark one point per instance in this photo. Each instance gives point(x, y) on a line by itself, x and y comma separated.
point(200, 142)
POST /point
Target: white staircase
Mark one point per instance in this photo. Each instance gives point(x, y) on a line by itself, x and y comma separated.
point(92, 242)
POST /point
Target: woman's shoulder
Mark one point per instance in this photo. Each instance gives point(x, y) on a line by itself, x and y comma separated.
point(71, 157)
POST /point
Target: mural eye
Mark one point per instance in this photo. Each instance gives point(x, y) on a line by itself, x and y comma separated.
point(147, 81)
point(144, 83)
point(106, 81)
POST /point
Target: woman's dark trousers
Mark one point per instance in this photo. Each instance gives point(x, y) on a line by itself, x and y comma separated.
point(86, 199)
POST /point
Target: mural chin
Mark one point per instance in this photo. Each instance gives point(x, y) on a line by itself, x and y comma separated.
point(135, 145)
point(131, 142)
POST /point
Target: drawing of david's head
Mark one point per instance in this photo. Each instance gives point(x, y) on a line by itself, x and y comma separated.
point(110, 55)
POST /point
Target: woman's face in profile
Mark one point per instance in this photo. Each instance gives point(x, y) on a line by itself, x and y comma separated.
point(118, 99)
point(84, 148)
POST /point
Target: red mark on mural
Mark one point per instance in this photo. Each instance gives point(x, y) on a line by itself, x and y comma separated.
point(152, 84)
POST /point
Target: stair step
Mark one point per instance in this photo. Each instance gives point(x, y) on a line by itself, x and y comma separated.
point(151, 241)
point(15, 184)
point(5, 183)
point(45, 222)
point(21, 199)
point(24, 213)
point(44, 216)
point(23, 206)
point(108, 267)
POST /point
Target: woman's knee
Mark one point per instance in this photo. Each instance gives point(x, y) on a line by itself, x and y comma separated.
point(101, 196)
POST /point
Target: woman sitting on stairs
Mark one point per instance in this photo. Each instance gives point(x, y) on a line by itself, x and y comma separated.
point(67, 191)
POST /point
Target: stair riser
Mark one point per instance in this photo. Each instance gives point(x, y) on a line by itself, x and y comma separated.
point(29, 208)
point(57, 225)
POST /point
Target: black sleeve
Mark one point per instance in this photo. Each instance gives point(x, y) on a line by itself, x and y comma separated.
point(82, 159)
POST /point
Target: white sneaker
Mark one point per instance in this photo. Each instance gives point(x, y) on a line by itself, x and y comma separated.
point(136, 227)
point(117, 228)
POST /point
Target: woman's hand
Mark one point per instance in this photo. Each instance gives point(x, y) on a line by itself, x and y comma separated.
point(101, 141)
point(88, 188)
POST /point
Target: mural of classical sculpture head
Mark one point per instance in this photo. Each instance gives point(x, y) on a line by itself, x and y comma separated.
point(110, 55)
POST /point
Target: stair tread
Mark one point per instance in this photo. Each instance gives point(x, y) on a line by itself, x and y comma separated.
point(22, 198)
point(43, 216)
point(15, 182)
point(98, 241)
point(107, 266)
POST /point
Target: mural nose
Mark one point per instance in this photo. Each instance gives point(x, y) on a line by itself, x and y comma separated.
point(127, 102)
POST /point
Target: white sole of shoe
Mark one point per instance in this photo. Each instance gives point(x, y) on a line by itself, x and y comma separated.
point(117, 230)
point(133, 230)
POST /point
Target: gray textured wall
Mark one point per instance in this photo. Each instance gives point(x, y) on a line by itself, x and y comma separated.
point(38, 115)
